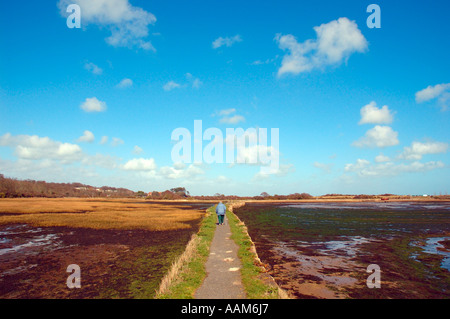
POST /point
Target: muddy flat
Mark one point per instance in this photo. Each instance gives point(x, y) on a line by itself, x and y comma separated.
point(322, 250)
point(123, 247)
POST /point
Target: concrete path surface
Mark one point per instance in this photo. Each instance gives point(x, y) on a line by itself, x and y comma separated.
point(223, 279)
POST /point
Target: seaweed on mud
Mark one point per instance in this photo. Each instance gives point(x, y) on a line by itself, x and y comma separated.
point(386, 233)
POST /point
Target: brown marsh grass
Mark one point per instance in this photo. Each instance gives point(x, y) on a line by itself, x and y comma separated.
point(97, 213)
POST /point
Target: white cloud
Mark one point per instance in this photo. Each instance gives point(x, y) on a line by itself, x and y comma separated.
point(140, 164)
point(364, 168)
point(181, 171)
point(104, 140)
point(379, 136)
point(179, 165)
point(94, 69)
point(227, 116)
point(169, 86)
point(250, 154)
point(418, 149)
point(370, 114)
point(336, 41)
point(360, 164)
point(382, 158)
point(431, 92)
point(440, 91)
point(125, 83)
point(283, 170)
point(232, 119)
point(252, 151)
point(38, 148)
point(227, 41)
point(87, 137)
point(93, 105)
point(226, 112)
point(128, 24)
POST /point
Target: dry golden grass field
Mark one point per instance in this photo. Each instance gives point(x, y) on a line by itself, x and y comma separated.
point(97, 213)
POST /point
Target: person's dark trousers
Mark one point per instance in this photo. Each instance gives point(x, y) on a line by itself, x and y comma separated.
point(220, 218)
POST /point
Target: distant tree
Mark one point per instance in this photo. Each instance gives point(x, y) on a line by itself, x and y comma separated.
point(29, 188)
point(180, 191)
point(264, 194)
point(140, 194)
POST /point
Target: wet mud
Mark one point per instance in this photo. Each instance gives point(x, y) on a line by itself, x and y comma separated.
point(323, 251)
point(113, 263)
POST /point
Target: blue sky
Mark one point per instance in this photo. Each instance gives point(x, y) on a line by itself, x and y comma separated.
point(359, 109)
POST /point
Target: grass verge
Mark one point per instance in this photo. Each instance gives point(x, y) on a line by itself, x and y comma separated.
point(257, 284)
point(188, 272)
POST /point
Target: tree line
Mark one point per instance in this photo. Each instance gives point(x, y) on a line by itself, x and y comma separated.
point(182, 193)
point(12, 188)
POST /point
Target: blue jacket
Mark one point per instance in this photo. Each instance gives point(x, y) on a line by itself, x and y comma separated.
point(221, 209)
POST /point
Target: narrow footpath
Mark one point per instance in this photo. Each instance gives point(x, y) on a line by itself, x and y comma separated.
point(223, 279)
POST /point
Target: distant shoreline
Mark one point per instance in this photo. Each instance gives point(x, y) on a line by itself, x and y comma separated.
point(262, 201)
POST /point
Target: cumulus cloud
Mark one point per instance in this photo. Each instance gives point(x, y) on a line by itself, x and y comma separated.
point(128, 24)
point(140, 164)
point(228, 116)
point(125, 83)
point(38, 148)
point(382, 158)
point(371, 114)
point(251, 148)
point(282, 170)
point(379, 136)
point(227, 41)
point(232, 119)
point(364, 168)
point(181, 171)
point(439, 91)
point(359, 165)
point(87, 137)
point(418, 149)
point(93, 105)
point(335, 42)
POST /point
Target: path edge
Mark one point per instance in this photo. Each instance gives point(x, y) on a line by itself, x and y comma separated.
point(264, 276)
point(179, 268)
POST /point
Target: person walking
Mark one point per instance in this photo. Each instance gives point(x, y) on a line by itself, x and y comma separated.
point(220, 211)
